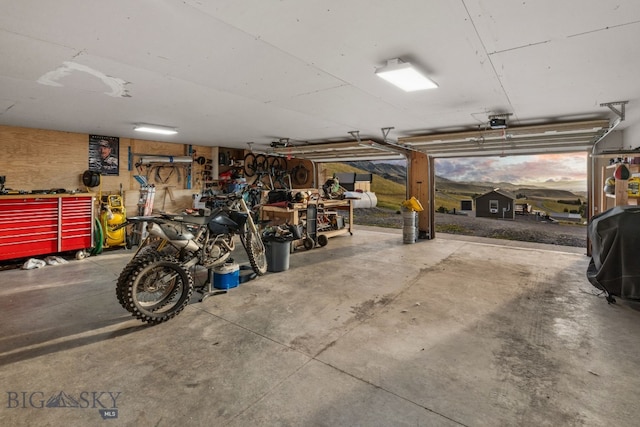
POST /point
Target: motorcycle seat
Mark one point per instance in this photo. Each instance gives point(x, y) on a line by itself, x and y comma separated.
point(191, 219)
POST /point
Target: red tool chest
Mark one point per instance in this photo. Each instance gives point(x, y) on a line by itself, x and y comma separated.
point(32, 225)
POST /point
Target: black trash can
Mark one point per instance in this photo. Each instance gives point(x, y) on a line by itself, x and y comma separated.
point(278, 252)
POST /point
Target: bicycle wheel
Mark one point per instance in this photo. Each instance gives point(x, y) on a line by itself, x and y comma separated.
point(261, 163)
point(277, 163)
point(250, 164)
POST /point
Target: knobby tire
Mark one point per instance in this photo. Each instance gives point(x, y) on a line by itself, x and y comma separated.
point(256, 252)
point(156, 290)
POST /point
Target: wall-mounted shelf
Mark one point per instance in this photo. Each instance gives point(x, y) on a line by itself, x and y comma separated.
point(621, 196)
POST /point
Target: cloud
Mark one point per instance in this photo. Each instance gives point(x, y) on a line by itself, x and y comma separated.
point(516, 169)
point(463, 169)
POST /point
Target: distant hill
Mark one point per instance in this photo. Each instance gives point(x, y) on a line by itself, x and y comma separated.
point(467, 188)
point(393, 172)
point(390, 193)
point(547, 193)
point(398, 172)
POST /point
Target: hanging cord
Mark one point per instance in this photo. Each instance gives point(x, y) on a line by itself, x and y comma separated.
point(98, 231)
point(147, 172)
point(161, 180)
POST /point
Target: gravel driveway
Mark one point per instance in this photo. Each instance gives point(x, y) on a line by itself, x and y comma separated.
point(523, 228)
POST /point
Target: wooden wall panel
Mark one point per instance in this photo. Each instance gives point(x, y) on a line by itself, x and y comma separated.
point(197, 177)
point(33, 160)
point(166, 200)
point(155, 147)
point(165, 175)
point(38, 159)
point(419, 185)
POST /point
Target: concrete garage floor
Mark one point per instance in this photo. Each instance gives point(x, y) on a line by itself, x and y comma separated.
point(366, 331)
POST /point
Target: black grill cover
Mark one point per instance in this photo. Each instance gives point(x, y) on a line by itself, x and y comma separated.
point(615, 251)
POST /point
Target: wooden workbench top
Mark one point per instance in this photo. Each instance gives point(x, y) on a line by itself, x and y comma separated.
point(299, 206)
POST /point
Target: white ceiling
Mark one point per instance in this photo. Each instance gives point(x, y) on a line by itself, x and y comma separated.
point(230, 72)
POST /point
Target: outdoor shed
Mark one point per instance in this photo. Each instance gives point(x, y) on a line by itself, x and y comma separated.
point(496, 204)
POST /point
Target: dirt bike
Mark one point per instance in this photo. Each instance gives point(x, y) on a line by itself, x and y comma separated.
point(157, 283)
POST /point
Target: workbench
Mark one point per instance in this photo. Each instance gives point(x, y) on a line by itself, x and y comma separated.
point(296, 213)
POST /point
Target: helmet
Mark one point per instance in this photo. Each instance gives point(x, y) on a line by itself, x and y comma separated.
point(610, 185)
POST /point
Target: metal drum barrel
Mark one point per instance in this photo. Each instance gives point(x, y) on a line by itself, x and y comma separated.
point(410, 226)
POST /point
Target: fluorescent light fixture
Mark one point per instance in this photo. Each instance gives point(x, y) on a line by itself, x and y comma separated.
point(405, 76)
point(162, 130)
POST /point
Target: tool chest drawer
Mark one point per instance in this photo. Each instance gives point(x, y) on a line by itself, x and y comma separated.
point(76, 223)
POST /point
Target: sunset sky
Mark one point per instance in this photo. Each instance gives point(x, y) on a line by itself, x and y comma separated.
point(566, 171)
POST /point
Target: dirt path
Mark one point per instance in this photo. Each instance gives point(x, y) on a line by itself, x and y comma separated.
point(524, 228)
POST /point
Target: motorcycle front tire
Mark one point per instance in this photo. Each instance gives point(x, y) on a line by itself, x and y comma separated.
point(156, 290)
point(144, 255)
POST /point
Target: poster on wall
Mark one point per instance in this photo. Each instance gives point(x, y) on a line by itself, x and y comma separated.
point(103, 154)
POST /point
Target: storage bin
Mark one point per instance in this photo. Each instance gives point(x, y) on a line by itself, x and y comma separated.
point(226, 276)
point(278, 255)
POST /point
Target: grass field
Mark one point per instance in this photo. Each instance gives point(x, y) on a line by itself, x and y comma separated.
point(390, 194)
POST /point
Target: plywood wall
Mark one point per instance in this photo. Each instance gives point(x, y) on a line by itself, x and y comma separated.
point(166, 200)
point(37, 159)
point(33, 159)
point(175, 175)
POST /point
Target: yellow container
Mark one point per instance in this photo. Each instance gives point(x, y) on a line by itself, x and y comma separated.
point(633, 187)
point(109, 222)
point(413, 204)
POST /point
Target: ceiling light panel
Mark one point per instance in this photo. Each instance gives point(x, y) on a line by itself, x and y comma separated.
point(405, 76)
point(161, 130)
